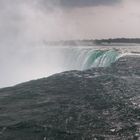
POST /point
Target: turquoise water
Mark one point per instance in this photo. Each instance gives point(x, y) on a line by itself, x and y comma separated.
point(100, 58)
point(89, 58)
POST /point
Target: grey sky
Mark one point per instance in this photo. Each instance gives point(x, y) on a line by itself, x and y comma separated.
point(79, 3)
point(25, 24)
point(83, 3)
point(33, 21)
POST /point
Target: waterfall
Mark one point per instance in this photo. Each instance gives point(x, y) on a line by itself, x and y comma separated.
point(89, 58)
point(43, 62)
point(105, 59)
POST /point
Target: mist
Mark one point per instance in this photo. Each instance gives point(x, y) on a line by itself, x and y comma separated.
point(24, 27)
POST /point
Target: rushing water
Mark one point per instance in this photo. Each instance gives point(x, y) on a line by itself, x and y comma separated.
point(38, 62)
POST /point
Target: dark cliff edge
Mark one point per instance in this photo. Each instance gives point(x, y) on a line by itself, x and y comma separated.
point(96, 104)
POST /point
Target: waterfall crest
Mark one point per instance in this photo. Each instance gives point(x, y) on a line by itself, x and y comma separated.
point(95, 58)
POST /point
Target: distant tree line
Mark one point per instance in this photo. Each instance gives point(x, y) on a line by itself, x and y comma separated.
point(118, 40)
point(91, 42)
point(71, 42)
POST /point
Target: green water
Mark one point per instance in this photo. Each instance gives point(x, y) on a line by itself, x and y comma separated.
point(100, 58)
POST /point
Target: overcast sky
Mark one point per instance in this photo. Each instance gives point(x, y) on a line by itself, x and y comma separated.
point(26, 24)
point(36, 20)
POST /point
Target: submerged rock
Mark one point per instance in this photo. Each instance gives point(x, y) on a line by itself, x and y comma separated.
point(96, 104)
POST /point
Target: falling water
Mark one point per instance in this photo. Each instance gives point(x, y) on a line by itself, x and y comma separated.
point(81, 59)
point(42, 62)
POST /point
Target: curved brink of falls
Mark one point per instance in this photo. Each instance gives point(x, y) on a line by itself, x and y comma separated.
point(97, 58)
